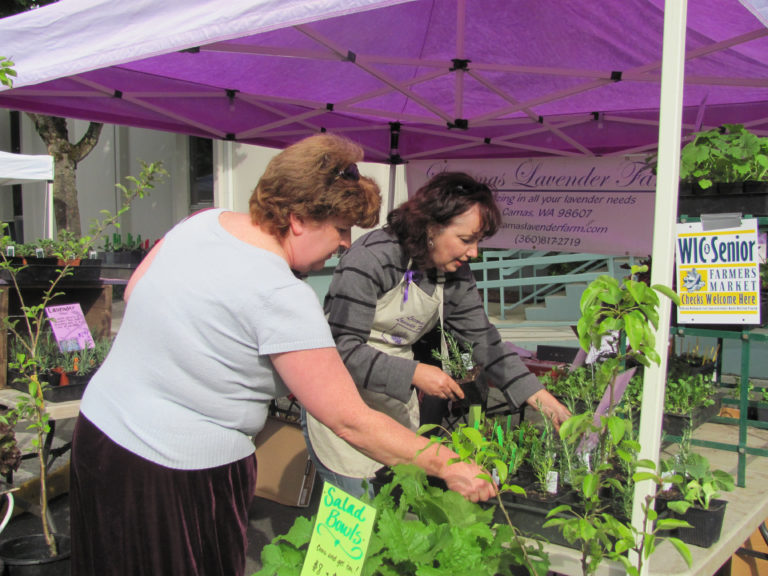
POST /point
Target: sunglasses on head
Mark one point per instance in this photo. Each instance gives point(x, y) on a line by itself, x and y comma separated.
point(349, 173)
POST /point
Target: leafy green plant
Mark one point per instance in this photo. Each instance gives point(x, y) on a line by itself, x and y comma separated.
point(115, 243)
point(683, 395)
point(542, 456)
point(424, 531)
point(627, 308)
point(625, 311)
point(644, 542)
point(697, 483)
point(491, 449)
point(590, 523)
point(730, 153)
point(32, 328)
point(580, 389)
point(7, 73)
point(458, 359)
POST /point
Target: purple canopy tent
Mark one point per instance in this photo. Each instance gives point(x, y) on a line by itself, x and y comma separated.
point(408, 79)
point(412, 79)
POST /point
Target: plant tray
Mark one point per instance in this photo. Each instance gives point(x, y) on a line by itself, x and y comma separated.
point(712, 201)
point(41, 271)
point(675, 424)
point(529, 516)
point(56, 393)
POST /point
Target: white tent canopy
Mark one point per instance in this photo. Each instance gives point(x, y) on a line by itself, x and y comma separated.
point(24, 169)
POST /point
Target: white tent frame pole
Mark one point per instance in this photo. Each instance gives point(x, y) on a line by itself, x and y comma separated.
point(665, 217)
point(48, 219)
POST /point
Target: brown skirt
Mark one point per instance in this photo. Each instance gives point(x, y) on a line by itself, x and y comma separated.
point(129, 516)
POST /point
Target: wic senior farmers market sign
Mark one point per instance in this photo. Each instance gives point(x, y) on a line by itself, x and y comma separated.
point(601, 205)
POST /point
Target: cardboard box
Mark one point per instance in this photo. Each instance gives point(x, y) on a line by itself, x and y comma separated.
point(743, 564)
point(285, 474)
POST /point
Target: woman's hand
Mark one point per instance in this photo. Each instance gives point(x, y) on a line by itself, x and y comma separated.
point(433, 381)
point(549, 407)
point(462, 477)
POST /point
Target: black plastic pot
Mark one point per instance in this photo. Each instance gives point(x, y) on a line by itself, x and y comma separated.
point(751, 198)
point(29, 556)
point(706, 525)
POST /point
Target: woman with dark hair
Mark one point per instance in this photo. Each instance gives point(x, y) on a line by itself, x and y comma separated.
point(391, 288)
point(216, 325)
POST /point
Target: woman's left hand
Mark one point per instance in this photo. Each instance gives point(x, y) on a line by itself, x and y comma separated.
point(549, 407)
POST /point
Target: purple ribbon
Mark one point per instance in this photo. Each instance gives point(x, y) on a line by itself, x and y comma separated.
point(408, 279)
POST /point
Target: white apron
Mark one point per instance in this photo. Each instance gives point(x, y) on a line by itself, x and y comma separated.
point(397, 324)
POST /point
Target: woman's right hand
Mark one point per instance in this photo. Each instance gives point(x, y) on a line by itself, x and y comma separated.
point(433, 381)
point(462, 477)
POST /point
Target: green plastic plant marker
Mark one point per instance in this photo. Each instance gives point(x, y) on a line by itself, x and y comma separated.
point(475, 413)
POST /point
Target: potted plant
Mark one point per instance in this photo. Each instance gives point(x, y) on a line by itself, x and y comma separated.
point(30, 332)
point(722, 162)
point(695, 499)
point(457, 361)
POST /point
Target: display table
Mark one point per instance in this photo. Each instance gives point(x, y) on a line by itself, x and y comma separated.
point(747, 508)
point(56, 410)
point(95, 299)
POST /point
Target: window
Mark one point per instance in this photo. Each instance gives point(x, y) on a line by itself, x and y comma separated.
point(200, 173)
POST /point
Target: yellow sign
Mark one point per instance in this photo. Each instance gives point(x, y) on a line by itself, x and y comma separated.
point(341, 536)
point(718, 274)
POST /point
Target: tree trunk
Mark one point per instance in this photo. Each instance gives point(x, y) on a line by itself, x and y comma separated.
point(65, 205)
point(66, 156)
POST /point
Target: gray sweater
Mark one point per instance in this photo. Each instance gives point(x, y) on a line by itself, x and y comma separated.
point(374, 265)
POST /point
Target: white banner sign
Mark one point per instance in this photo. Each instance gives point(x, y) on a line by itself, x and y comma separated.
point(718, 274)
point(599, 205)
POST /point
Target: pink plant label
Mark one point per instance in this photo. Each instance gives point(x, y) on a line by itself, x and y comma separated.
point(69, 327)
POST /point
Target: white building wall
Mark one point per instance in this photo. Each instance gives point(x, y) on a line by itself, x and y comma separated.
point(237, 168)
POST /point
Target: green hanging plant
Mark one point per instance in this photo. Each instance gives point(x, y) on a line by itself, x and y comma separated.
point(727, 154)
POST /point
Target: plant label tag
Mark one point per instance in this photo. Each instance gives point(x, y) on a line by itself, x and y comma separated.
point(341, 535)
point(665, 486)
point(69, 327)
point(552, 482)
